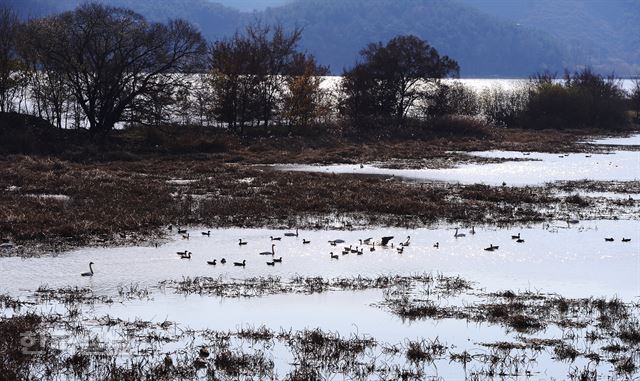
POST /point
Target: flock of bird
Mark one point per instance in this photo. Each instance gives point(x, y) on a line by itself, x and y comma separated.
point(384, 242)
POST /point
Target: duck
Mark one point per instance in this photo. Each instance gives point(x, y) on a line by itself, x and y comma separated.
point(334, 256)
point(277, 260)
point(373, 247)
point(609, 239)
point(436, 245)
point(517, 236)
point(182, 231)
point(289, 234)
point(520, 240)
point(473, 230)
point(406, 243)
point(90, 273)
point(491, 248)
point(240, 264)
point(186, 256)
point(272, 252)
point(360, 252)
point(275, 238)
point(333, 243)
point(354, 250)
point(458, 235)
point(212, 263)
point(272, 263)
point(400, 250)
point(207, 233)
point(305, 241)
point(185, 236)
point(626, 239)
point(182, 252)
point(241, 242)
point(170, 228)
point(223, 261)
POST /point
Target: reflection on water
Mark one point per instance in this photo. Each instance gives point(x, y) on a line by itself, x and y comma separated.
point(573, 260)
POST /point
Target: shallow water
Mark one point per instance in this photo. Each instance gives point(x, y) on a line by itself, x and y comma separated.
point(540, 168)
point(633, 140)
point(573, 260)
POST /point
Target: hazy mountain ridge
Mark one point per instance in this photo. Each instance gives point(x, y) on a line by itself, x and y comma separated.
point(487, 40)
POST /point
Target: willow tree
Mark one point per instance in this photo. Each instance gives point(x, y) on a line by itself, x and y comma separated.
point(110, 57)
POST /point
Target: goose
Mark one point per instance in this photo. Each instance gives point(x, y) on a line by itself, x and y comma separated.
point(406, 243)
point(182, 252)
point(272, 263)
point(291, 234)
point(212, 263)
point(170, 227)
point(338, 240)
point(334, 256)
point(204, 352)
point(333, 243)
point(275, 238)
point(400, 250)
point(277, 260)
point(354, 250)
point(436, 245)
point(360, 252)
point(90, 273)
point(186, 256)
point(626, 239)
point(241, 242)
point(347, 248)
point(609, 239)
point(305, 241)
point(491, 248)
point(520, 240)
point(366, 241)
point(473, 230)
point(385, 240)
point(272, 252)
point(515, 236)
point(240, 264)
point(458, 235)
point(373, 247)
point(182, 231)
point(223, 261)
point(185, 236)
point(345, 252)
point(207, 233)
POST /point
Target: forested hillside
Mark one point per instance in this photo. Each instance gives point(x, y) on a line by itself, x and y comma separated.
point(489, 38)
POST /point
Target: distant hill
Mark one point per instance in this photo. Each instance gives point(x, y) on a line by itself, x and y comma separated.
point(602, 33)
point(490, 38)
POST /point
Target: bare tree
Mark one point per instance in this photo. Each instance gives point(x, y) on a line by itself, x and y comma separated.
point(393, 77)
point(110, 57)
point(10, 73)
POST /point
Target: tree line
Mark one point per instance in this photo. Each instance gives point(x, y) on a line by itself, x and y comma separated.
point(98, 67)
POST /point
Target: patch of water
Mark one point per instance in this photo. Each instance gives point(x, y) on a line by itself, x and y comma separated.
point(573, 260)
point(541, 168)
